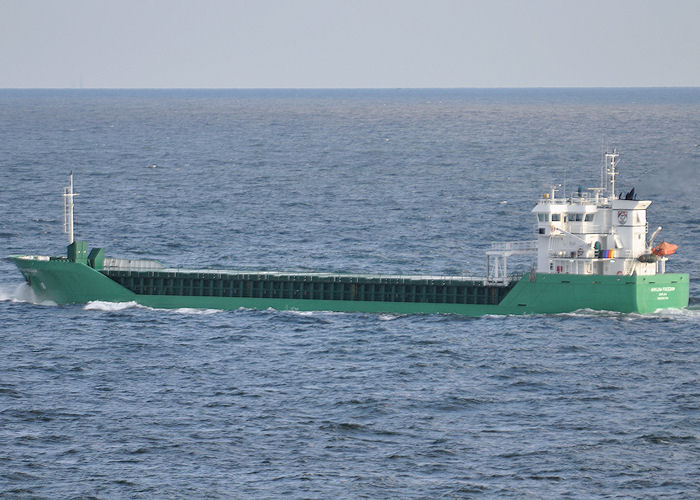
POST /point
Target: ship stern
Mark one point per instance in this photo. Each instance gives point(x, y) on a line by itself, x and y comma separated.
point(662, 291)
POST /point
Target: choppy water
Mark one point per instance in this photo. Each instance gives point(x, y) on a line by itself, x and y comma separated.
point(116, 400)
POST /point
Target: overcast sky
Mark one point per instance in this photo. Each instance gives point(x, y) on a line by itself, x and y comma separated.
point(348, 43)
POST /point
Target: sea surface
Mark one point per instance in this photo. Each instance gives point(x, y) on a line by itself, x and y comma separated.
point(120, 401)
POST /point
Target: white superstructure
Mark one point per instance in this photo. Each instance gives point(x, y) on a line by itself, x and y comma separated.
point(595, 231)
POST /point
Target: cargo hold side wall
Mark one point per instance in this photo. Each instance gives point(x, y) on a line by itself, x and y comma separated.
point(310, 287)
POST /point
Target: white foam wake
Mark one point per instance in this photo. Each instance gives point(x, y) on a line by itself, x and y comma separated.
point(388, 317)
point(680, 314)
point(22, 293)
point(101, 305)
point(190, 310)
point(686, 313)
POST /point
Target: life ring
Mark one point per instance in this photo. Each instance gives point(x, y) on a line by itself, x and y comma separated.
point(619, 273)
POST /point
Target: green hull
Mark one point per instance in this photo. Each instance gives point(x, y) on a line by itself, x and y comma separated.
point(66, 282)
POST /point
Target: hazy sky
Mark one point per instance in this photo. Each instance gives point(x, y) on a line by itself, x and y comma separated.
point(349, 43)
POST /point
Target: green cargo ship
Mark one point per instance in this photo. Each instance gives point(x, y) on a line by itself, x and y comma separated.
point(592, 252)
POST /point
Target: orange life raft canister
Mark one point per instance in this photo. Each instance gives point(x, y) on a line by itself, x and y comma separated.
point(664, 248)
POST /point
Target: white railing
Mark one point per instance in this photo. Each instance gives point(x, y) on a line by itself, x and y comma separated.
point(514, 246)
point(497, 258)
point(110, 263)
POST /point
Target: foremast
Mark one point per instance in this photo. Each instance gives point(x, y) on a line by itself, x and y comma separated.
point(77, 250)
point(68, 206)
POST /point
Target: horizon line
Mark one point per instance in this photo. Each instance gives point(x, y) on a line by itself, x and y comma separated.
point(542, 87)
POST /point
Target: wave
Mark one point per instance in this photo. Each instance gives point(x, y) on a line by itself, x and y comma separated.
point(688, 312)
point(388, 317)
point(295, 313)
point(691, 312)
point(685, 313)
point(190, 310)
point(22, 293)
point(100, 305)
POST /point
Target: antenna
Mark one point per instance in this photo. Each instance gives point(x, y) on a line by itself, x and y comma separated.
point(566, 173)
point(602, 161)
point(611, 161)
point(68, 196)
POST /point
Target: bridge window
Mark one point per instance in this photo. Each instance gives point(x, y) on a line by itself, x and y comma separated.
point(589, 217)
point(556, 217)
point(543, 217)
